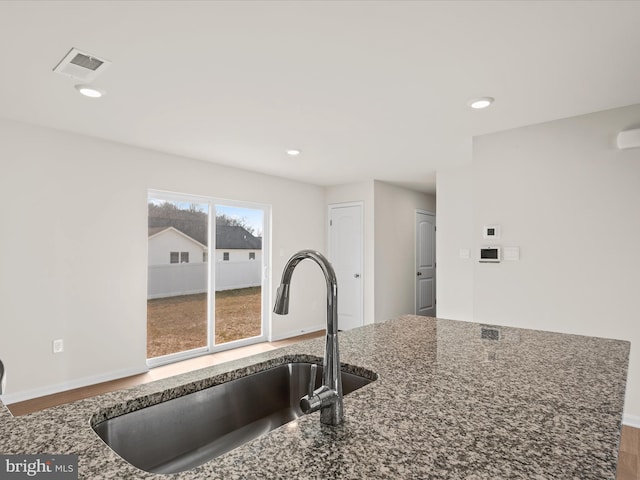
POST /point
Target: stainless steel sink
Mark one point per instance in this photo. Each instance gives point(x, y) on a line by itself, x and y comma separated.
point(185, 432)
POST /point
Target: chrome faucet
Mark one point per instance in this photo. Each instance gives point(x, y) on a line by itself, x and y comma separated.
point(328, 397)
point(3, 379)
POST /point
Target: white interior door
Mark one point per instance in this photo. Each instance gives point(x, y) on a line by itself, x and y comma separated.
point(425, 264)
point(345, 254)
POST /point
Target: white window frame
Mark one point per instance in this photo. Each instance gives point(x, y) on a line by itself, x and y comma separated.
point(266, 274)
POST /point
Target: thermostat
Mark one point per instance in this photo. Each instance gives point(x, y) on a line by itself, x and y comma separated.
point(491, 231)
point(490, 255)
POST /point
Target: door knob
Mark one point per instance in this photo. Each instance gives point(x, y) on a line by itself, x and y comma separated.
point(356, 275)
point(419, 274)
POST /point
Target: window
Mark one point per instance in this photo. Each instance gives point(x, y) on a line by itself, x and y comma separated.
point(179, 257)
point(177, 290)
point(196, 307)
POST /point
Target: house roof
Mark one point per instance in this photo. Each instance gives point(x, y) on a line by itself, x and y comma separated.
point(227, 237)
point(236, 237)
point(153, 231)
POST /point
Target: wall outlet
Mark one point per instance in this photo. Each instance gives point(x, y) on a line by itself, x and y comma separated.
point(58, 346)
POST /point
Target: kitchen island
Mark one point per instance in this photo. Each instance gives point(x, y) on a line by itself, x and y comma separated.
point(453, 400)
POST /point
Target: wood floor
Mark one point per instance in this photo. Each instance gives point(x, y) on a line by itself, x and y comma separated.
point(628, 459)
point(629, 456)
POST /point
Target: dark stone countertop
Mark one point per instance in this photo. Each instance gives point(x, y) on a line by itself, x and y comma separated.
point(448, 404)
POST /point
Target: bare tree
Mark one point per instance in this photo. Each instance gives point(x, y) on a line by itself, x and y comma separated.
point(191, 221)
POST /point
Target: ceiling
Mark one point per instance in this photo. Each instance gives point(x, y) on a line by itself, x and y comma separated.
point(366, 89)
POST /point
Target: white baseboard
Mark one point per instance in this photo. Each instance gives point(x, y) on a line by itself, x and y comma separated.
point(295, 333)
point(10, 398)
point(631, 421)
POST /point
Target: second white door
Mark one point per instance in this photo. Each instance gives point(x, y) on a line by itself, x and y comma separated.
point(425, 264)
point(345, 254)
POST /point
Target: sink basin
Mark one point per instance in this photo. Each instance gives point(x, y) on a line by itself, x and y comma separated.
point(185, 432)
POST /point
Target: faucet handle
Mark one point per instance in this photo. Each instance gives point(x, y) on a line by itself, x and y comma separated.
point(312, 380)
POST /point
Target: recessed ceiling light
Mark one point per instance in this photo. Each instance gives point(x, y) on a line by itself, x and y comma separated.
point(293, 152)
point(89, 91)
point(482, 102)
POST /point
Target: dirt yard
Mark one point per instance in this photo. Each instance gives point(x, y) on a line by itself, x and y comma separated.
point(175, 324)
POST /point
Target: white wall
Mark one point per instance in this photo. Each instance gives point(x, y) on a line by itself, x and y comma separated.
point(454, 219)
point(395, 267)
point(76, 208)
point(570, 200)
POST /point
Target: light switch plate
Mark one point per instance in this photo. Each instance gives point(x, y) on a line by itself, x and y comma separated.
point(58, 346)
point(511, 254)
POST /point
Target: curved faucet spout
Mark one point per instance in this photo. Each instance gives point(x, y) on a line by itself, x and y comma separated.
point(281, 306)
point(327, 398)
point(3, 379)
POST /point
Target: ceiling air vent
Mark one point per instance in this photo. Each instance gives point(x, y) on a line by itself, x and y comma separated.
point(81, 66)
